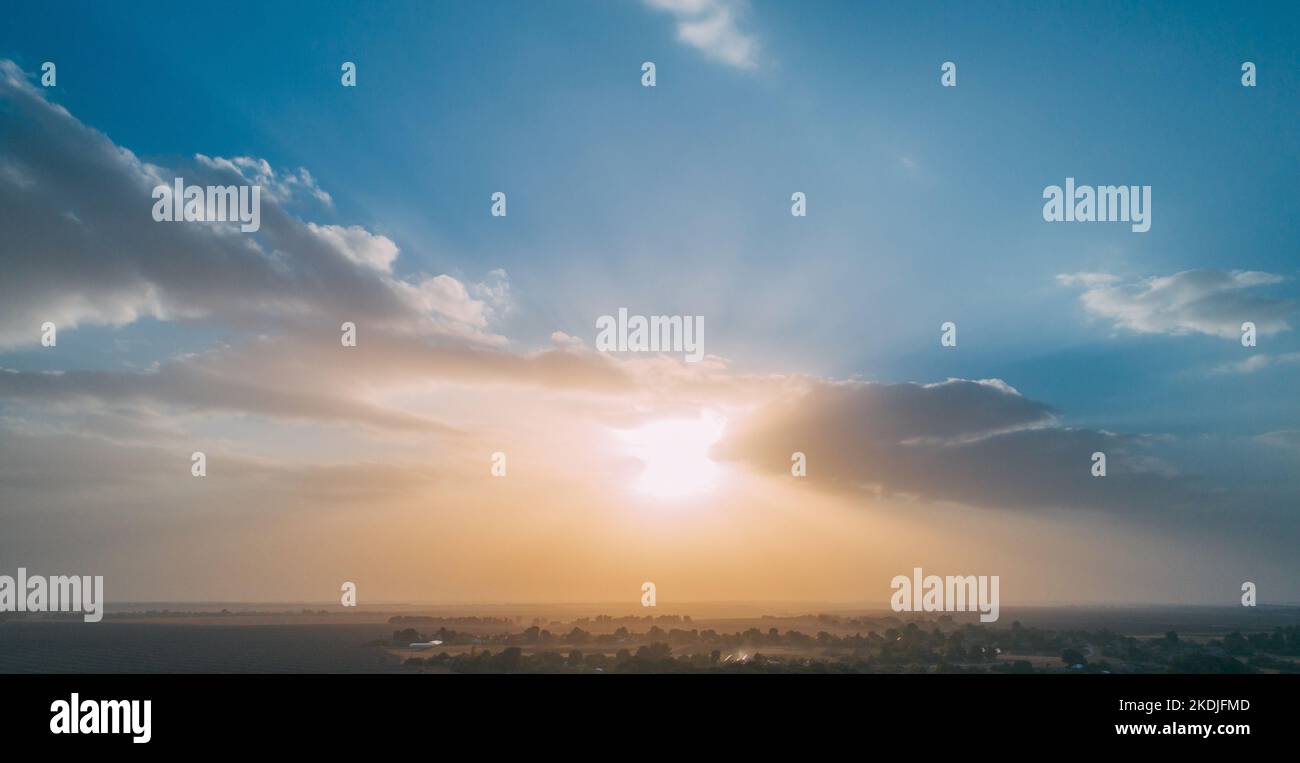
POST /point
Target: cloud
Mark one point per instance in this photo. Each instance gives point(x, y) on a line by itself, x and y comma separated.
point(187, 386)
point(301, 377)
point(254, 171)
point(1258, 362)
point(1089, 280)
point(1207, 301)
point(976, 443)
point(562, 339)
point(124, 470)
point(1283, 438)
point(358, 245)
point(93, 454)
point(81, 246)
point(711, 26)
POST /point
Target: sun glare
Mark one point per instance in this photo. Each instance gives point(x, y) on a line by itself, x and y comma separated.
point(675, 454)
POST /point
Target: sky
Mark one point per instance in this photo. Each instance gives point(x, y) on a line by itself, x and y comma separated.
point(477, 333)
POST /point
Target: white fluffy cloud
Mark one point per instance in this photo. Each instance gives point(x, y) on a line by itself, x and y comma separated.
point(712, 27)
point(81, 246)
point(281, 187)
point(358, 244)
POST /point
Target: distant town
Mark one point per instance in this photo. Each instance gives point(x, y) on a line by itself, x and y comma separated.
point(676, 644)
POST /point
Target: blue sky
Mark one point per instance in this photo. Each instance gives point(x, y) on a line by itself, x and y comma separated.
point(924, 201)
point(677, 197)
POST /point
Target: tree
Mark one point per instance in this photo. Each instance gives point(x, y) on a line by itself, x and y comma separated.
point(654, 652)
point(510, 659)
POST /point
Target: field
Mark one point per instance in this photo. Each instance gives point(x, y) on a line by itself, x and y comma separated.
point(291, 638)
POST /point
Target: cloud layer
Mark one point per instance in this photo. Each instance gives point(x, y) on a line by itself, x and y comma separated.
point(82, 248)
point(301, 430)
point(1206, 301)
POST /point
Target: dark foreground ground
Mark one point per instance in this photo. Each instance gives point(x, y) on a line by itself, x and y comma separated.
point(267, 640)
point(127, 647)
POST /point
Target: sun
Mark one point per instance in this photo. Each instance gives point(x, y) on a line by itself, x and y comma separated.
point(675, 455)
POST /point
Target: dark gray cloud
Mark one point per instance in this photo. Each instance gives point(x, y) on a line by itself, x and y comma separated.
point(971, 442)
